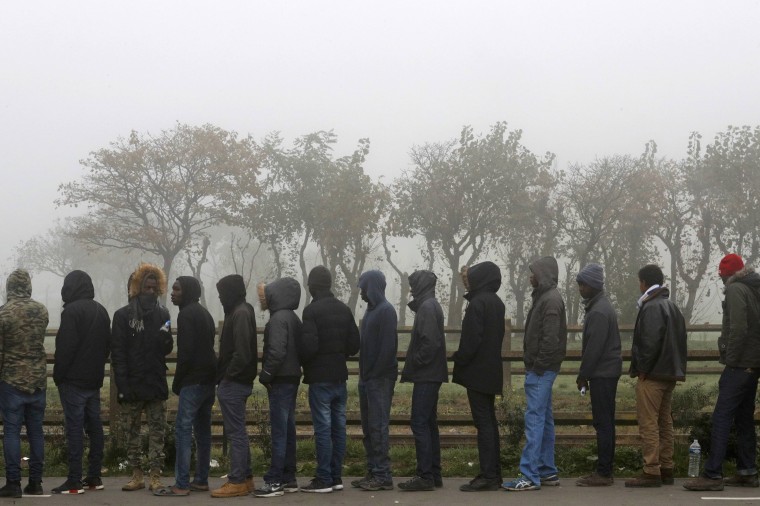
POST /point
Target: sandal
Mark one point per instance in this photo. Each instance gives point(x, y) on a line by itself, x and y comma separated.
point(171, 492)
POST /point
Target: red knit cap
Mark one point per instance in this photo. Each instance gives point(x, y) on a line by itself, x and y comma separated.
point(730, 265)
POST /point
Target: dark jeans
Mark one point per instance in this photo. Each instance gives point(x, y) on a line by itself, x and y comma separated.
point(20, 408)
point(81, 411)
point(232, 397)
point(735, 405)
point(328, 414)
point(484, 418)
point(282, 420)
point(193, 418)
point(375, 398)
point(603, 392)
point(424, 424)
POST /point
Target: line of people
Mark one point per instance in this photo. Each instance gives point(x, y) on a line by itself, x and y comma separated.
point(140, 337)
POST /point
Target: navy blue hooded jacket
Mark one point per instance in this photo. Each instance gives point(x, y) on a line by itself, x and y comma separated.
point(379, 337)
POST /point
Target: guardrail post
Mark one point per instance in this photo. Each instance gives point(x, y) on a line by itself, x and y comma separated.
point(506, 346)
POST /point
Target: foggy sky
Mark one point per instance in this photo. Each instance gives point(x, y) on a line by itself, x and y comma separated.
point(582, 79)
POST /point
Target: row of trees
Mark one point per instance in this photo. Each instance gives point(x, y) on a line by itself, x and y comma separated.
point(201, 195)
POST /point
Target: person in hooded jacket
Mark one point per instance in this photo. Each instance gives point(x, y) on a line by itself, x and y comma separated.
point(235, 372)
point(426, 368)
point(378, 370)
point(600, 370)
point(82, 346)
point(330, 324)
point(23, 381)
point(141, 338)
point(478, 367)
point(544, 347)
point(194, 381)
point(739, 346)
point(281, 374)
point(658, 361)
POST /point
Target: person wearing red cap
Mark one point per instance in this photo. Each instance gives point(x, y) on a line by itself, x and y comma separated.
point(739, 346)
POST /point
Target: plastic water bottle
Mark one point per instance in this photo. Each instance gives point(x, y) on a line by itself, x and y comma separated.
point(695, 455)
point(166, 326)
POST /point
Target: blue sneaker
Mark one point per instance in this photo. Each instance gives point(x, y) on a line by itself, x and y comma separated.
point(520, 484)
point(551, 480)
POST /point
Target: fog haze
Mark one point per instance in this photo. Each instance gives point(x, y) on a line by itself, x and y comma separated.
point(581, 79)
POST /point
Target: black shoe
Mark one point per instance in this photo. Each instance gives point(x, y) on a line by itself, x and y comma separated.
point(290, 487)
point(34, 487)
point(417, 484)
point(376, 484)
point(438, 482)
point(11, 489)
point(337, 484)
point(317, 486)
point(69, 487)
point(481, 484)
point(95, 483)
point(358, 483)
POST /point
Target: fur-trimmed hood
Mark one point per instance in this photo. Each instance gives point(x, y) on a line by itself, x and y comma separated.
point(143, 271)
point(746, 276)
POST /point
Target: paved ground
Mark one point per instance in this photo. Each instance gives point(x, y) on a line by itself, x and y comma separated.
point(566, 495)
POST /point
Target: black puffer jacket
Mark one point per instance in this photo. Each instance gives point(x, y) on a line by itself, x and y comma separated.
point(426, 356)
point(739, 341)
point(83, 341)
point(280, 362)
point(477, 362)
point(659, 339)
point(238, 345)
point(138, 357)
point(329, 322)
point(196, 360)
point(601, 356)
point(545, 339)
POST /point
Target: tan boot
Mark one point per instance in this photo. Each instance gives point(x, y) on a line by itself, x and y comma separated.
point(137, 482)
point(249, 483)
point(155, 480)
point(231, 490)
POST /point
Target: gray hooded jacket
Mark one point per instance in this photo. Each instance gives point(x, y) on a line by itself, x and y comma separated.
point(280, 363)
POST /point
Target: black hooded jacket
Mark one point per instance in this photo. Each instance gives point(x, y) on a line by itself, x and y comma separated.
point(280, 363)
point(739, 341)
point(196, 360)
point(426, 356)
point(545, 339)
point(331, 324)
point(477, 362)
point(238, 345)
point(82, 343)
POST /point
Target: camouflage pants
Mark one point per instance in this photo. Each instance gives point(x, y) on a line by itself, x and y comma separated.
point(155, 412)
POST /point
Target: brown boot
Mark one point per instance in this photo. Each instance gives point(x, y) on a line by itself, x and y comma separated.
point(644, 480)
point(231, 490)
point(249, 483)
point(703, 483)
point(595, 480)
point(136, 482)
point(740, 480)
point(666, 473)
point(155, 480)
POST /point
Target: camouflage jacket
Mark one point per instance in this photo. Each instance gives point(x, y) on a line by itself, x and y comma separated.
point(22, 336)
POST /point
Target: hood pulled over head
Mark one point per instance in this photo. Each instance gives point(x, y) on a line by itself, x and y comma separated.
point(372, 283)
point(546, 272)
point(77, 285)
point(231, 291)
point(19, 285)
point(191, 289)
point(283, 293)
point(483, 276)
point(422, 284)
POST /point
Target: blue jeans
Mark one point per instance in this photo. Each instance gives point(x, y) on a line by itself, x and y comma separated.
point(375, 398)
point(328, 414)
point(424, 425)
point(193, 416)
point(538, 455)
point(81, 410)
point(735, 406)
point(603, 392)
point(232, 397)
point(20, 408)
point(484, 418)
point(282, 420)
